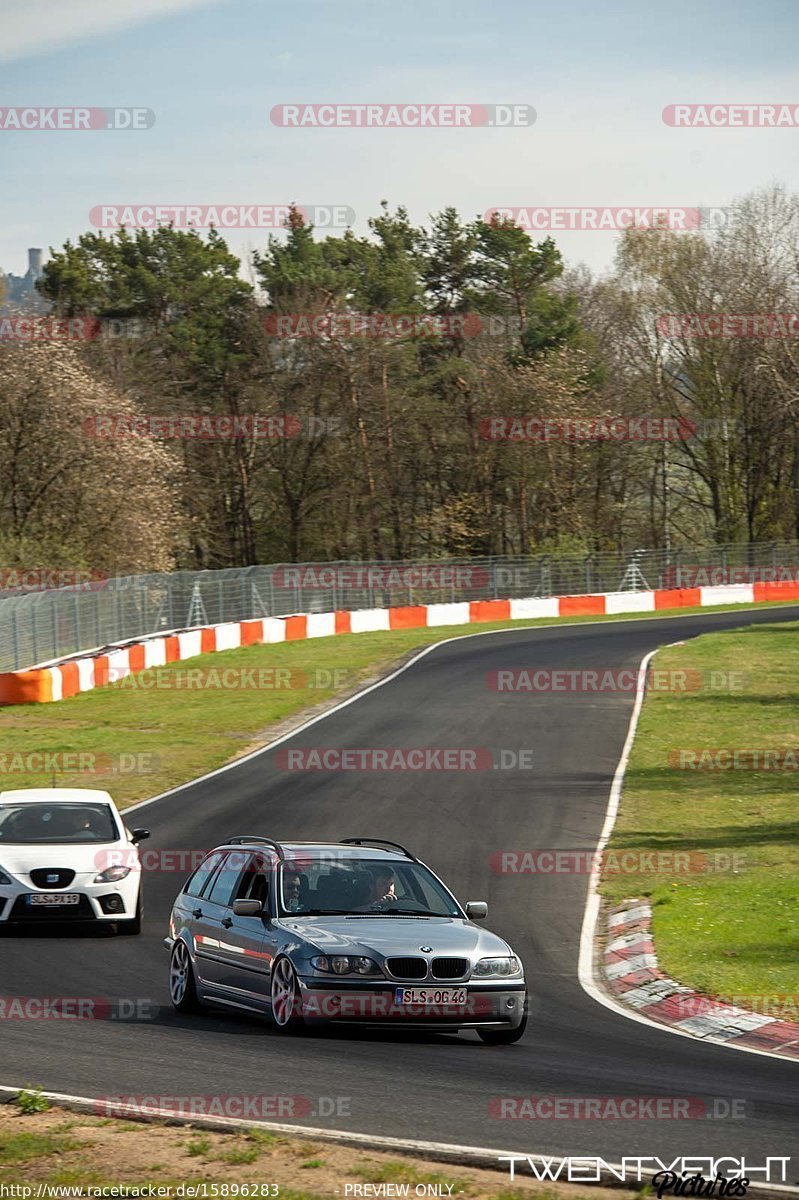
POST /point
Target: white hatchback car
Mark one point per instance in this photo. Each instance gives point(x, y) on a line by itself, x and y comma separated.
point(66, 855)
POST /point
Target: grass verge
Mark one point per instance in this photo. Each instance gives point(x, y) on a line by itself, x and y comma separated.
point(137, 739)
point(726, 917)
point(80, 1151)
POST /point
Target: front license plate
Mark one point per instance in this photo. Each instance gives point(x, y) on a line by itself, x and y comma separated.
point(53, 899)
point(430, 995)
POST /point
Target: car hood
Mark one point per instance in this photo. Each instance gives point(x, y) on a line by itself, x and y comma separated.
point(21, 860)
point(395, 935)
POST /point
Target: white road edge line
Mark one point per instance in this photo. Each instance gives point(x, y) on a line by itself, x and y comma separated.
point(588, 973)
point(469, 1156)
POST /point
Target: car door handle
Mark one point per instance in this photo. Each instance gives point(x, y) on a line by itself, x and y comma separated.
point(197, 912)
point(227, 922)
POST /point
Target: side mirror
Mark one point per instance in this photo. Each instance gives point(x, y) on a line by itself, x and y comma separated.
point(476, 910)
point(248, 908)
point(139, 835)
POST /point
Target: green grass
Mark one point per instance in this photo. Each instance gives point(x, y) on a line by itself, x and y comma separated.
point(22, 1146)
point(728, 925)
point(263, 1138)
point(31, 1100)
point(173, 735)
point(239, 1155)
point(198, 1146)
point(80, 1176)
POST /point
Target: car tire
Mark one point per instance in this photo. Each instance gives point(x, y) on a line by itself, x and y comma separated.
point(133, 926)
point(503, 1037)
point(284, 994)
point(182, 984)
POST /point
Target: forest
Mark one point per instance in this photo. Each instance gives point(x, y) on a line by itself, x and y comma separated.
point(419, 392)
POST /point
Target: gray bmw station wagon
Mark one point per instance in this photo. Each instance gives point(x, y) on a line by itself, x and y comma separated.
point(358, 932)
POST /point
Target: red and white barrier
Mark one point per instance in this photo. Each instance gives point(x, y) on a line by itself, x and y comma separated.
point(633, 975)
point(62, 679)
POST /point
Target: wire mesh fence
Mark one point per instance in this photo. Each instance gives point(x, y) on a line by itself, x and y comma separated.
point(40, 624)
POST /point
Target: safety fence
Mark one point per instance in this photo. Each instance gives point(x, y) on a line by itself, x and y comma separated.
point(39, 622)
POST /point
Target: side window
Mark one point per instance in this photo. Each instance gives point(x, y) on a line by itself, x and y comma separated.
point(254, 882)
point(203, 873)
point(227, 878)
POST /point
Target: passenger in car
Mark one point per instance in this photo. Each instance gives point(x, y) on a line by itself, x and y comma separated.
point(292, 888)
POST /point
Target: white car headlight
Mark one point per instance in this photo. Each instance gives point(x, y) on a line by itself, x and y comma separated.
point(340, 964)
point(112, 875)
point(496, 968)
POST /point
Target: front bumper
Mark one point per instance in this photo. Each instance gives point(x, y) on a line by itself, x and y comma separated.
point(97, 902)
point(495, 1005)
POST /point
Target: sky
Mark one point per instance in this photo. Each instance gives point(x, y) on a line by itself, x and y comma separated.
point(597, 72)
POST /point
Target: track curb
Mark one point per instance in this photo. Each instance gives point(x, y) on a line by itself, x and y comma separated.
point(462, 1156)
point(631, 971)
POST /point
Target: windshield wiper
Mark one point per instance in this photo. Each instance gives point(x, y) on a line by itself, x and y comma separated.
point(405, 912)
point(354, 912)
point(320, 912)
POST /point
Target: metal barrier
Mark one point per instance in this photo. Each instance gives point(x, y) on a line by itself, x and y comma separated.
point(39, 625)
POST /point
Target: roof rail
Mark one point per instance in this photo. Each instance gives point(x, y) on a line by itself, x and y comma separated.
point(379, 842)
point(245, 839)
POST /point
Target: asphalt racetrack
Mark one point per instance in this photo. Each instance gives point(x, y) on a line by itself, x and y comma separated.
point(398, 1084)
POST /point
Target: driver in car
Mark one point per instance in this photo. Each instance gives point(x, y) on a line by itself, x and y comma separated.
point(381, 887)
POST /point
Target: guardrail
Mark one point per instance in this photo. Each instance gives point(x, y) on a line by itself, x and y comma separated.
point(39, 625)
point(59, 681)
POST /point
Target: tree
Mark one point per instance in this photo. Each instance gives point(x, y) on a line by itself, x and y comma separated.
point(70, 498)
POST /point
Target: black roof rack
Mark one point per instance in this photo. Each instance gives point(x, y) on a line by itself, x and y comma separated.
point(246, 839)
point(379, 842)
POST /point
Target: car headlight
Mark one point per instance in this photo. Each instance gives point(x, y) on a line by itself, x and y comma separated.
point(5, 880)
point(364, 966)
point(112, 875)
point(496, 968)
point(341, 964)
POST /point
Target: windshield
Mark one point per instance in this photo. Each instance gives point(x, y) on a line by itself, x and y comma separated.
point(62, 824)
point(362, 887)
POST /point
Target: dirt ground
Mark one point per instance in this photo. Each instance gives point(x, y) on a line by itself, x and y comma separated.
point(66, 1151)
